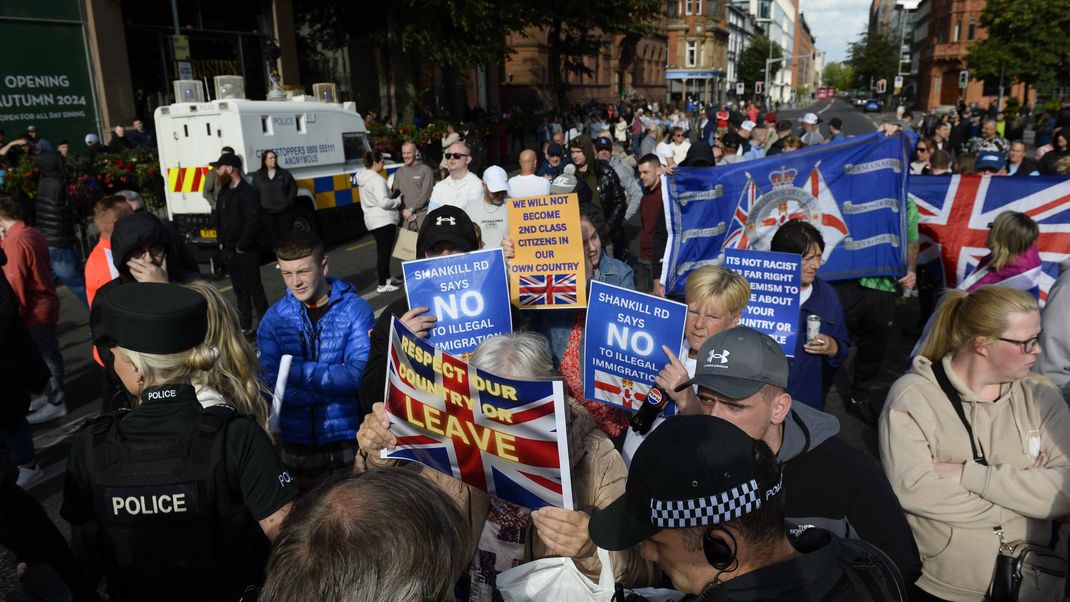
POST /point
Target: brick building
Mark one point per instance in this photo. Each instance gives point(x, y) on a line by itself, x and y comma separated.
point(697, 32)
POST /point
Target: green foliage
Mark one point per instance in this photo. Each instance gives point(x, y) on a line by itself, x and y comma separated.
point(751, 65)
point(1028, 37)
point(841, 75)
point(874, 56)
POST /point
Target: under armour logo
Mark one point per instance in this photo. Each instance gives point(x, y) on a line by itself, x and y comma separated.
point(723, 356)
point(440, 219)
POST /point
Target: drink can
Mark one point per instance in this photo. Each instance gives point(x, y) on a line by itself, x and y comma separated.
point(813, 328)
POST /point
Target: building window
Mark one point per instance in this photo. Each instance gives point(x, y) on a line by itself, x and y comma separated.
point(692, 51)
point(689, 7)
point(957, 32)
point(763, 9)
point(972, 30)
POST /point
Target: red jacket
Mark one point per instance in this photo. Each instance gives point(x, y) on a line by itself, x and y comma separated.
point(30, 274)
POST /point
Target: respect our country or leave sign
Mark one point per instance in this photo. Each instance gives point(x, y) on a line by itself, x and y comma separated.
point(548, 270)
point(468, 293)
point(775, 282)
point(503, 436)
point(623, 340)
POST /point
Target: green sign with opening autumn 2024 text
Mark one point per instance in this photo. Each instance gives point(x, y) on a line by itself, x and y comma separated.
point(46, 81)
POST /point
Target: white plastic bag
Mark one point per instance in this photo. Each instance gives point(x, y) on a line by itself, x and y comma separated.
point(556, 579)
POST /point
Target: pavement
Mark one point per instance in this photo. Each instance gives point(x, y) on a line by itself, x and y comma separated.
point(354, 262)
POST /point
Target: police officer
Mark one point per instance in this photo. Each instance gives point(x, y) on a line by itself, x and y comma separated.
point(174, 501)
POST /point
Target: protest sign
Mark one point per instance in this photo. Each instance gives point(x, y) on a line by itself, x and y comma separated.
point(548, 271)
point(468, 293)
point(503, 436)
point(775, 281)
point(623, 336)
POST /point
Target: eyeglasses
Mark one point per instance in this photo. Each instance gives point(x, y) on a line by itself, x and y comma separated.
point(454, 155)
point(1028, 345)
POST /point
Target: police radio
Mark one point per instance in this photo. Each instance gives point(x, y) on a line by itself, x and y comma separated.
point(655, 402)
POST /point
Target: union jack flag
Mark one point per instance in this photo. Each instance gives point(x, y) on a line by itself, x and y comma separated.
point(548, 289)
point(502, 436)
point(954, 215)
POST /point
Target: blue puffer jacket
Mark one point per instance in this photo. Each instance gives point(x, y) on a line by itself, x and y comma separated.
point(320, 405)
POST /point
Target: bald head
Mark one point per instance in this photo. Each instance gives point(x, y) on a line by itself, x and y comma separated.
point(527, 162)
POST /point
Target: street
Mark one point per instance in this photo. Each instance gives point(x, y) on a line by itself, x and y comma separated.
point(354, 262)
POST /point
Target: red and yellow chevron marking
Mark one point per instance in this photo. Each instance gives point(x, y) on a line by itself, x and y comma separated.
point(186, 179)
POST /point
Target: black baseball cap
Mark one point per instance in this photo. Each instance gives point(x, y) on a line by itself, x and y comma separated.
point(554, 150)
point(227, 159)
point(690, 471)
point(446, 224)
point(603, 143)
point(738, 362)
point(152, 317)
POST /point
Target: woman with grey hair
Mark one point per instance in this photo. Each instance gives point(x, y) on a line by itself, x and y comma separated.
point(598, 477)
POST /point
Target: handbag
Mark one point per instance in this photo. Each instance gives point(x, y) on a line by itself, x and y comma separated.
point(559, 580)
point(1025, 572)
point(405, 246)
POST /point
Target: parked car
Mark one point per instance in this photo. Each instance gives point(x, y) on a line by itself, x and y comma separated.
point(872, 106)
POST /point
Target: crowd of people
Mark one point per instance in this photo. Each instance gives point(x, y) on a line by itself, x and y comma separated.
point(195, 483)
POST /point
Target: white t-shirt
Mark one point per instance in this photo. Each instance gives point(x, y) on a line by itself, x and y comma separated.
point(456, 192)
point(492, 220)
point(664, 152)
point(530, 185)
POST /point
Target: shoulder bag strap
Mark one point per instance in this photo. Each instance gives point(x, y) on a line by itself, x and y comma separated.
point(956, 402)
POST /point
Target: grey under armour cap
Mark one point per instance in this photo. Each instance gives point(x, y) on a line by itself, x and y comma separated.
point(738, 362)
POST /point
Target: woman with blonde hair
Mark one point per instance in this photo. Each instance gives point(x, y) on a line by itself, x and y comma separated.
point(131, 472)
point(1014, 260)
point(232, 375)
point(975, 447)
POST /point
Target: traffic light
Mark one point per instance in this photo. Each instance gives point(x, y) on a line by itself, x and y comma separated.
point(964, 79)
point(882, 86)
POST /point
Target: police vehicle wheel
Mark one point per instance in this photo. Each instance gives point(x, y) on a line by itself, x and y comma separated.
point(305, 220)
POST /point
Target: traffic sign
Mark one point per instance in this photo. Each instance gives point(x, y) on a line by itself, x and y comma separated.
point(882, 86)
point(740, 88)
point(898, 83)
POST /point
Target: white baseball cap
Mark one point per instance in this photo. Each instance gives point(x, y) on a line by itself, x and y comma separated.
point(747, 125)
point(811, 118)
point(496, 179)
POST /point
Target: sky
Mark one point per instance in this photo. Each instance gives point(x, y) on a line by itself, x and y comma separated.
point(835, 24)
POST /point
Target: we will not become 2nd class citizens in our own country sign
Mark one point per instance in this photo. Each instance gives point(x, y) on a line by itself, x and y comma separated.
point(468, 293)
point(775, 283)
point(504, 436)
point(548, 269)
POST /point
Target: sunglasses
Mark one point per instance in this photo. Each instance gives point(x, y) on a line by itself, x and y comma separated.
point(922, 149)
point(454, 155)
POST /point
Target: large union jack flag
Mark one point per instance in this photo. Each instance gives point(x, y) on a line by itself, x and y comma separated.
point(503, 436)
point(548, 289)
point(954, 214)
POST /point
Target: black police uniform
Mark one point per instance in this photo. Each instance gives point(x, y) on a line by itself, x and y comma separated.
point(168, 495)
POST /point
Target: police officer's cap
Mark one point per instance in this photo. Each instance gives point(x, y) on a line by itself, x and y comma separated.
point(154, 318)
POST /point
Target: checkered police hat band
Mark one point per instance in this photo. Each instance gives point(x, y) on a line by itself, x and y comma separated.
point(713, 510)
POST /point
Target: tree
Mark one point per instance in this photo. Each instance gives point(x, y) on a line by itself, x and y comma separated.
point(751, 67)
point(874, 56)
point(840, 75)
point(1027, 39)
point(576, 31)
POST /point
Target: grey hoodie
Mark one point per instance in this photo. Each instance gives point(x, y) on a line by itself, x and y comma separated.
point(1054, 361)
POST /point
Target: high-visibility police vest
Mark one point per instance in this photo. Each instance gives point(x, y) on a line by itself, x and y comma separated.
point(170, 525)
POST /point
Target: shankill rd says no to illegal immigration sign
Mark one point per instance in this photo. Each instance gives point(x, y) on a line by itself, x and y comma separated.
point(775, 281)
point(623, 337)
point(506, 437)
point(547, 271)
point(468, 293)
